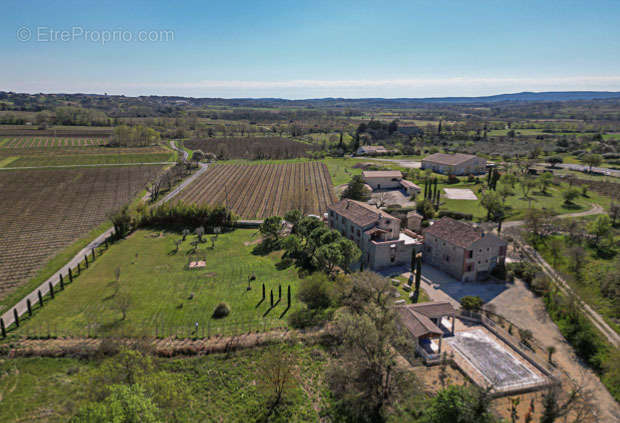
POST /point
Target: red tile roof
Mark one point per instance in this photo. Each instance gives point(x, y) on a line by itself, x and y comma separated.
point(417, 323)
point(361, 214)
point(382, 174)
point(454, 231)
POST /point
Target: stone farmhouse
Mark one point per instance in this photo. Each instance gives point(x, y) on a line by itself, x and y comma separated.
point(427, 323)
point(374, 231)
point(372, 150)
point(464, 252)
point(454, 164)
point(389, 179)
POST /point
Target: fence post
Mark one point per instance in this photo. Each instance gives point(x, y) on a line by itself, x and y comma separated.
point(86, 260)
point(3, 328)
point(70, 275)
point(271, 297)
point(79, 269)
point(62, 282)
point(263, 291)
point(279, 292)
point(288, 297)
point(93, 251)
point(29, 306)
point(40, 298)
point(16, 316)
point(51, 289)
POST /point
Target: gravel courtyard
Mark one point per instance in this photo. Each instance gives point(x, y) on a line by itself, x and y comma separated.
point(459, 194)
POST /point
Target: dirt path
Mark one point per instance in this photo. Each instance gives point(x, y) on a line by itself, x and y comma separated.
point(594, 317)
point(596, 209)
point(524, 309)
point(166, 347)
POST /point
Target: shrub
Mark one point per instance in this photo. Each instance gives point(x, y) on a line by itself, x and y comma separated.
point(456, 215)
point(316, 291)
point(308, 318)
point(524, 270)
point(472, 303)
point(222, 310)
point(452, 179)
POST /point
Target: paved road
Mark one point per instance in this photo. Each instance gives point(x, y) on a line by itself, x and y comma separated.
point(22, 306)
point(582, 168)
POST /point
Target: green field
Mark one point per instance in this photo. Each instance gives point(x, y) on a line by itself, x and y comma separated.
point(210, 388)
point(87, 159)
point(589, 287)
point(159, 287)
point(517, 204)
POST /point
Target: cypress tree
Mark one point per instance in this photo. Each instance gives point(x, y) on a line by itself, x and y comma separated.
point(51, 289)
point(263, 291)
point(93, 251)
point(279, 292)
point(70, 275)
point(3, 328)
point(271, 297)
point(418, 277)
point(86, 261)
point(29, 306)
point(40, 298)
point(62, 282)
point(16, 317)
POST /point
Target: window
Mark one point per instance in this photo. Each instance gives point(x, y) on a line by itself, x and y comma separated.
point(469, 267)
point(448, 259)
point(470, 254)
point(392, 259)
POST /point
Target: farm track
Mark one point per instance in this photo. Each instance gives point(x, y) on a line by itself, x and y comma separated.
point(259, 191)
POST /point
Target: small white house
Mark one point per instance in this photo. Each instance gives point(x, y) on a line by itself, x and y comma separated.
point(383, 179)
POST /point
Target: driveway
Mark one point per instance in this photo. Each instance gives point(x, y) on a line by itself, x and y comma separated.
point(409, 164)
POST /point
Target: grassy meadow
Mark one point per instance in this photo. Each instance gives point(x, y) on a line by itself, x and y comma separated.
point(163, 295)
point(218, 387)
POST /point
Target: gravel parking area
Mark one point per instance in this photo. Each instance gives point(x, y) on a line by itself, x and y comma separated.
point(460, 194)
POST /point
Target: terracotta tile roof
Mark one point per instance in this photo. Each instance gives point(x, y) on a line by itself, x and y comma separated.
point(434, 309)
point(448, 159)
point(360, 213)
point(409, 184)
point(416, 323)
point(382, 174)
point(454, 231)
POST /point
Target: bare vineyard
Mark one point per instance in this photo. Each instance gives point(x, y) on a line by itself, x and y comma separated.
point(44, 211)
point(39, 142)
point(259, 191)
point(253, 148)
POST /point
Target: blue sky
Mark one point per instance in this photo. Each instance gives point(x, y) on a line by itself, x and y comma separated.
point(299, 49)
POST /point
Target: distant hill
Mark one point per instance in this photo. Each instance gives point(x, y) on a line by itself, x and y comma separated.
point(33, 101)
point(528, 96)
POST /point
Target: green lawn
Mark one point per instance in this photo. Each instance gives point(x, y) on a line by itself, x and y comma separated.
point(159, 287)
point(517, 204)
point(90, 159)
point(212, 388)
